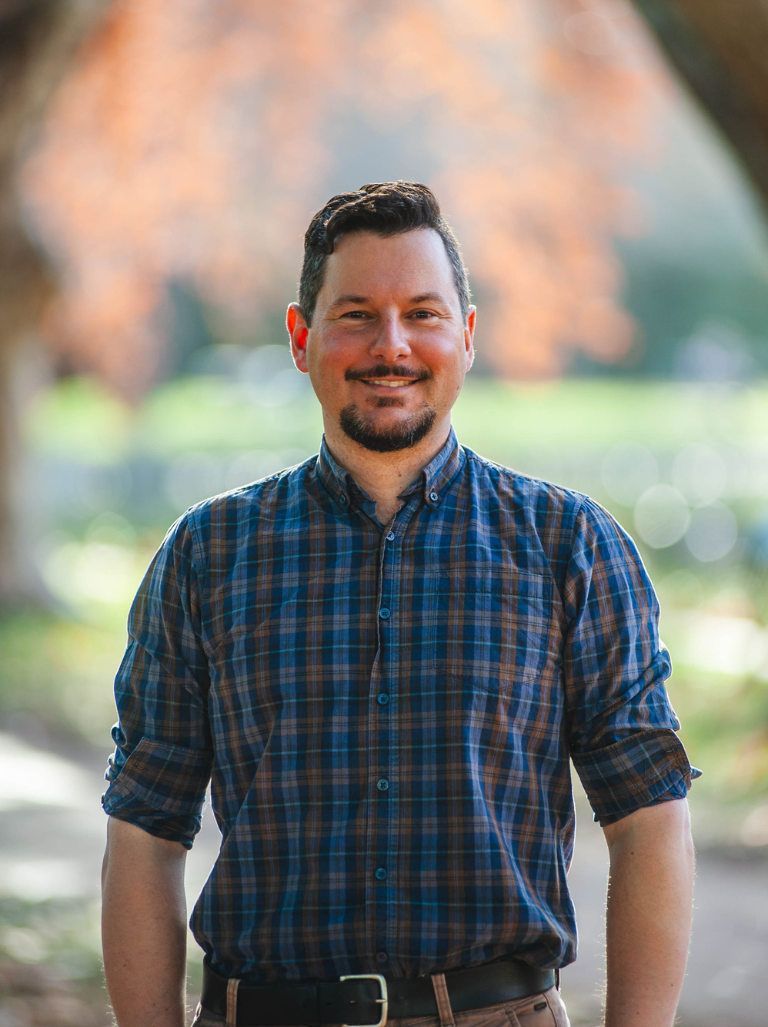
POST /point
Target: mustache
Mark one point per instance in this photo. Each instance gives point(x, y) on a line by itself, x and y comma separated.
point(383, 371)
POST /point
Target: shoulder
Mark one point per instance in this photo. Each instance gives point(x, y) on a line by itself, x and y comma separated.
point(562, 521)
point(545, 504)
point(283, 487)
point(223, 522)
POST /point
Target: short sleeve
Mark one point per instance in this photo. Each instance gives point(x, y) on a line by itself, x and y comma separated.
point(160, 769)
point(621, 724)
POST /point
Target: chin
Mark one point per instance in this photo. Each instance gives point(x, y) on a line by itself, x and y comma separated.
point(386, 434)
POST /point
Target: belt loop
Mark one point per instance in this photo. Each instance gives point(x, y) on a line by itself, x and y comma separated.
point(232, 985)
point(443, 1001)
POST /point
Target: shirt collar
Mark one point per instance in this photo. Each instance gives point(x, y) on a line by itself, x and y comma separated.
point(432, 479)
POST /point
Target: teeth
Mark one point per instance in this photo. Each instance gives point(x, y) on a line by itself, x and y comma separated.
point(391, 385)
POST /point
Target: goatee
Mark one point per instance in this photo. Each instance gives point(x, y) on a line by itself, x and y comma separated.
point(386, 440)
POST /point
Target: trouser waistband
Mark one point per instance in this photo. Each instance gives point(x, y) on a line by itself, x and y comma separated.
point(370, 999)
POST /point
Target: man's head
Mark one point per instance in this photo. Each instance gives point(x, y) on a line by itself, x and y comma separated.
point(383, 325)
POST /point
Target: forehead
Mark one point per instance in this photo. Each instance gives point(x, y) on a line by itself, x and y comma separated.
point(406, 264)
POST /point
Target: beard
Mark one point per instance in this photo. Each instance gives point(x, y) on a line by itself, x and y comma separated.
point(386, 440)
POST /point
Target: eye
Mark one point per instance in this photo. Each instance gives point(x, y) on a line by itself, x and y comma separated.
point(356, 315)
point(423, 315)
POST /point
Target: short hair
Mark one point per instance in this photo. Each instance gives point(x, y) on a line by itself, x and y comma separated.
point(384, 208)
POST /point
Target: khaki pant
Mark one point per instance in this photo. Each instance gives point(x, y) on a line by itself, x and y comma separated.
point(543, 1010)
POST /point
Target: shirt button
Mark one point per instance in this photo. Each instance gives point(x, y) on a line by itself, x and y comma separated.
point(382, 784)
point(434, 496)
point(390, 536)
point(381, 957)
point(342, 499)
point(384, 613)
point(381, 873)
point(382, 699)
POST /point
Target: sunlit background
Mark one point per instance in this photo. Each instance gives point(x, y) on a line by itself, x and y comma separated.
point(165, 158)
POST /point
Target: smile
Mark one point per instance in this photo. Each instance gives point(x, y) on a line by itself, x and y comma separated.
point(389, 385)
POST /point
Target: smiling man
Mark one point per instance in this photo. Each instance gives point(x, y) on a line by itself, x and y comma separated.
point(384, 660)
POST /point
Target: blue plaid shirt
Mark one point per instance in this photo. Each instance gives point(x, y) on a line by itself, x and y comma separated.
point(388, 714)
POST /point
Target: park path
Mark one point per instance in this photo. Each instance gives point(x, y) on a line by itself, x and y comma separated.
point(52, 839)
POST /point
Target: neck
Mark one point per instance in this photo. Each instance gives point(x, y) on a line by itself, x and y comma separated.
point(385, 475)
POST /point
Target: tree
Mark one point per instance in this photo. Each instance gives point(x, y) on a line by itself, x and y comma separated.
point(38, 39)
point(720, 49)
point(202, 135)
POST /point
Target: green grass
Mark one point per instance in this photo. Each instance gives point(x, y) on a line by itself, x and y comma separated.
point(494, 417)
point(60, 670)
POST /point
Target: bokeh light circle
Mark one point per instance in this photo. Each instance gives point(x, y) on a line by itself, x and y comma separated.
point(627, 471)
point(712, 533)
point(662, 516)
point(700, 473)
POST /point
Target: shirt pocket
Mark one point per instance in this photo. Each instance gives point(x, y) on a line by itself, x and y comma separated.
point(500, 636)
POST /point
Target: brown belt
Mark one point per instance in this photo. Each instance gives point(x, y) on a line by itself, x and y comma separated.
point(367, 999)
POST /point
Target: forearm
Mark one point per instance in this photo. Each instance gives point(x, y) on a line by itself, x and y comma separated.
point(144, 927)
point(650, 898)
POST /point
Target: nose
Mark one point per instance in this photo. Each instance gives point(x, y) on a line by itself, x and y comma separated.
point(391, 342)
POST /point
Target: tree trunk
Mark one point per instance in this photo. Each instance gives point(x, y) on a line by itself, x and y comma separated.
point(37, 41)
point(720, 49)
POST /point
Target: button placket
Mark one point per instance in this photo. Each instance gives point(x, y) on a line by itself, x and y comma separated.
point(385, 818)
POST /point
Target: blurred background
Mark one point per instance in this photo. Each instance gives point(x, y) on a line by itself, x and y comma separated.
point(605, 164)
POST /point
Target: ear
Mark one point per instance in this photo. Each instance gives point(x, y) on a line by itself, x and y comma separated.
point(469, 335)
point(299, 333)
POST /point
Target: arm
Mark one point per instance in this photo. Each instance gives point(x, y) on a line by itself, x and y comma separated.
point(144, 928)
point(649, 914)
point(157, 780)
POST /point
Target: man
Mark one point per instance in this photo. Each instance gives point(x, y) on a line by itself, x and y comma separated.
point(383, 659)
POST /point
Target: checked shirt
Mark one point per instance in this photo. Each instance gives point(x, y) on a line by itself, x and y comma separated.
point(388, 714)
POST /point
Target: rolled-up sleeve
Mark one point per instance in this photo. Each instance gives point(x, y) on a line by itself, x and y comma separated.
point(160, 769)
point(621, 725)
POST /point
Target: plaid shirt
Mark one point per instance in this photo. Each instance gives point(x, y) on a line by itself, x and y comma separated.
point(387, 714)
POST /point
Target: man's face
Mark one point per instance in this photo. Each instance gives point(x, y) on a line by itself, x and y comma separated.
point(388, 350)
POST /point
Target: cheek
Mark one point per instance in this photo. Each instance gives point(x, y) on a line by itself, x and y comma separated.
point(326, 372)
point(451, 364)
point(333, 353)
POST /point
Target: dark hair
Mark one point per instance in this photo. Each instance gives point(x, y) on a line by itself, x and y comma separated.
point(384, 208)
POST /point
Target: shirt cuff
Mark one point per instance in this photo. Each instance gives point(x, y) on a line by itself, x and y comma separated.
point(161, 789)
point(172, 829)
point(641, 770)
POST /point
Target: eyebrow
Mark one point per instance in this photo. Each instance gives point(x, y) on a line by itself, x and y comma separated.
point(353, 298)
point(348, 298)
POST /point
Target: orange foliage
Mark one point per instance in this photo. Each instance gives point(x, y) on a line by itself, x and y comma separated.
point(192, 141)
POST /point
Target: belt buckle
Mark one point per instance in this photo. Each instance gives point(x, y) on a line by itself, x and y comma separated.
point(384, 1000)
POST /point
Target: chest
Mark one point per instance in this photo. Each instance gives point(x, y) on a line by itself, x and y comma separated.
point(320, 608)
